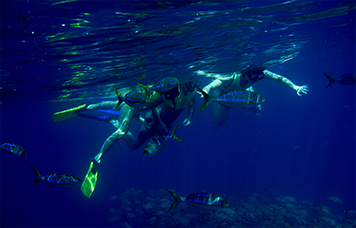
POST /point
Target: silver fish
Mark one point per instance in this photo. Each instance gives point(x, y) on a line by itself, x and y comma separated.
point(158, 142)
point(234, 99)
point(12, 148)
point(199, 199)
point(163, 85)
point(56, 179)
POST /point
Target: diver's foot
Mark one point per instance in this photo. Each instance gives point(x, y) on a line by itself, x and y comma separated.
point(90, 179)
point(96, 164)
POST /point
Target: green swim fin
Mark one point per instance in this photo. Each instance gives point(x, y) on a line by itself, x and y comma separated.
point(69, 113)
point(90, 179)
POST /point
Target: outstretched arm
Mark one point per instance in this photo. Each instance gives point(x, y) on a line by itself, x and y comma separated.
point(285, 81)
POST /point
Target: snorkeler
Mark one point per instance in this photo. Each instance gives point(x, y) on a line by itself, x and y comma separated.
point(158, 120)
point(244, 81)
point(122, 125)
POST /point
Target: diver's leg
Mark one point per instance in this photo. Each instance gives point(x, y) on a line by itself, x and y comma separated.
point(221, 113)
point(257, 110)
point(148, 129)
point(103, 105)
point(123, 125)
point(90, 179)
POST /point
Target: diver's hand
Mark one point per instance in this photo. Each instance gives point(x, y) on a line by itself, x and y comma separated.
point(186, 122)
point(302, 89)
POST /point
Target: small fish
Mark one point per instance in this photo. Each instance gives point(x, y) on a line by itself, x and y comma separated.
point(234, 99)
point(56, 179)
point(158, 142)
point(334, 199)
point(163, 85)
point(133, 99)
point(199, 199)
point(12, 148)
point(346, 79)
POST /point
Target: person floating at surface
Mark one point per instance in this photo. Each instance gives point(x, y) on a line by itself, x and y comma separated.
point(244, 81)
point(158, 121)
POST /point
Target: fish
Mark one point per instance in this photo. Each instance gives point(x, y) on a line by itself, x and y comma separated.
point(345, 79)
point(158, 142)
point(133, 99)
point(199, 199)
point(334, 199)
point(234, 99)
point(163, 85)
point(12, 148)
point(56, 179)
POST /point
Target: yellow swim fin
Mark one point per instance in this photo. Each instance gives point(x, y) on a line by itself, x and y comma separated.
point(69, 113)
point(90, 179)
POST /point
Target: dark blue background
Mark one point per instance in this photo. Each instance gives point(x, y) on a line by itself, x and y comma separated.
point(302, 147)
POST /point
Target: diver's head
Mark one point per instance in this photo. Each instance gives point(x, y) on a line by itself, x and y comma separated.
point(253, 74)
point(174, 92)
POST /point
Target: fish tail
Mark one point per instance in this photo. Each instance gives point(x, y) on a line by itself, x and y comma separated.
point(38, 176)
point(177, 199)
point(144, 87)
point(119, 97)
point(207, 99)
point(173, 135)
point(331, 80)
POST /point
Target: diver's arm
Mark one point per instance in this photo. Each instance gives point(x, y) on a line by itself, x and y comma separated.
point(285, 81)
point(191, 109)
point(213, 85)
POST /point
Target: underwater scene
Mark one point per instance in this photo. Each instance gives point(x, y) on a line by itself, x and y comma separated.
point(186, 113)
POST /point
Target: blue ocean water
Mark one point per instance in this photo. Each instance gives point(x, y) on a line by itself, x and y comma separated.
point(60, 54)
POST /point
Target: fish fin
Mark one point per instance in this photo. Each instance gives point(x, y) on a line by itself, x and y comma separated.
point(224, 105)
point(207, 99)
point(119, 97)
point(69, 113)
point(331, 80)
point(90, 179)
point(193, 205)
point(177, 199)
point(145, 88)
point(38, 176)
point(174, 136)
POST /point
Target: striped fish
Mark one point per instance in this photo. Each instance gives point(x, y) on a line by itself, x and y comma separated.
point(12, 148)
point(133, 99)
point(164, 85)
point(199, 199)
point(56, 179)
point(158, 142)
point(234, 99)
point(345, 79)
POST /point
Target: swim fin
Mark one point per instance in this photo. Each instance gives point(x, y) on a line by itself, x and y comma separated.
point(69, 113)
point(90, 179)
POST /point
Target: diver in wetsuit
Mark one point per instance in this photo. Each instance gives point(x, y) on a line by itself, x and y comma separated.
point(158, 121)
point(244, 81)
point(122, 125)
